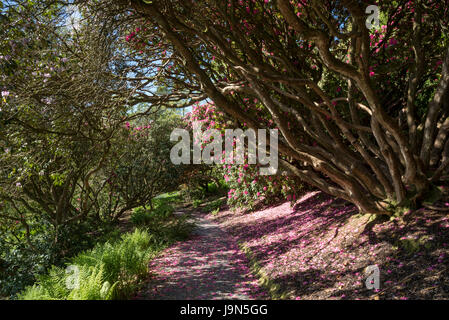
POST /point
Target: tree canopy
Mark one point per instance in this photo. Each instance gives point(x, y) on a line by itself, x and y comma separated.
point(362, 113)
point(91, 89)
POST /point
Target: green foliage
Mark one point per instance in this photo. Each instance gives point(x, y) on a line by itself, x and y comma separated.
point(248, 188)
point(169, 197)
point(214, 206)
point(413, 245)
point(216, 189)
point(161, 222)
point(140, 216)
point(164, 210)
point(20, 264)
point(144, 169)
point(73, 156)
point(196, 203)
point(109, 271)
point(197, 191)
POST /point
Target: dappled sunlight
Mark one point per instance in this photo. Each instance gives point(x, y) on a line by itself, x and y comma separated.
point(319, 249)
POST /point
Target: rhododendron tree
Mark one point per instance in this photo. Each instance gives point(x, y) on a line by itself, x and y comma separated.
point(141, 169)
point(246, 186)
point(76, 147)
point(362, 112)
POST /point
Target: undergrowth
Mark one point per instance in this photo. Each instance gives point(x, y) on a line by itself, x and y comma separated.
point(113, 270)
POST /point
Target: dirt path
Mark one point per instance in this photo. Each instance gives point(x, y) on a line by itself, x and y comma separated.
point(208, 266)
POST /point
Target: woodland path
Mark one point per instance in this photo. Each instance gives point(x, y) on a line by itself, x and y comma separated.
point(208, 266)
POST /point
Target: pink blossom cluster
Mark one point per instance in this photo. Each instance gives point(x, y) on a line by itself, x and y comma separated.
point(246, 186)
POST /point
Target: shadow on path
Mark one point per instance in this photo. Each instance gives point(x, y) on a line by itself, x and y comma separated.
point(208, 266)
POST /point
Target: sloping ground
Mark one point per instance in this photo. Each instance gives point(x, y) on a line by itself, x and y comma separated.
point(208, 266)
point(319, 249)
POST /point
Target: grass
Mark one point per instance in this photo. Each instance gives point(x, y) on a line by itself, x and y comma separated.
point(169, 197)
point(214, 206)
point(196, 203)
point(161, 221)
point(208, 205)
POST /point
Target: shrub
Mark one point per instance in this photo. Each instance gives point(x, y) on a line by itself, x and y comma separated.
point(215, 212)
point(215, 205)
point(169, 197)
point(20, 264)
point(162, 223)
point(196, 203)
point(246, 186)
point(109, 271)
point(140, 216)
point(164, 210)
